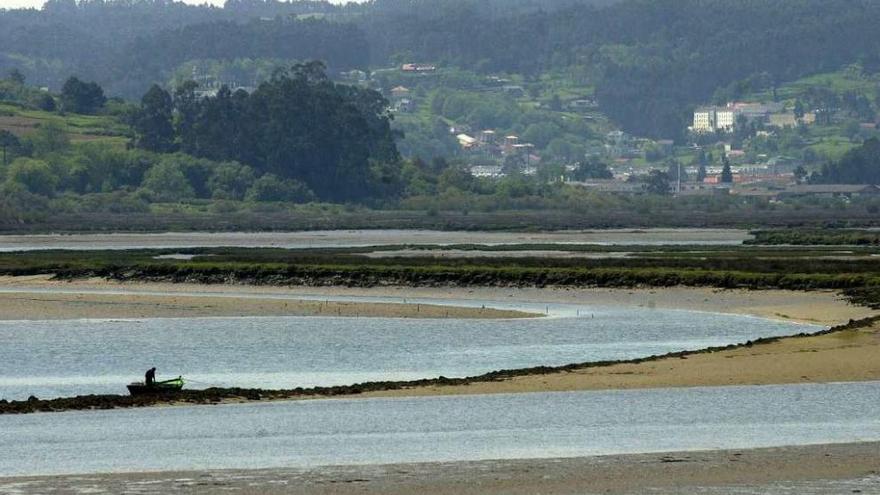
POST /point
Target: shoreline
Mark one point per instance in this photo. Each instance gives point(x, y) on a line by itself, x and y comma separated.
point(846, 352)
point(823, 468)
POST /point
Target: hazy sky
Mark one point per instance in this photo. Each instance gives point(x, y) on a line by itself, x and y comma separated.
point(16, 4)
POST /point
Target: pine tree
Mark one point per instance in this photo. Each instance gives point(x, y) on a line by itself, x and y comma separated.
point(153, 123)
point(726, 173)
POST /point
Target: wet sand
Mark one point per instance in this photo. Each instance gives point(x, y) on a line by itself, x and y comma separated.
point(819, 469)
point(20, 298)
point(845, 356)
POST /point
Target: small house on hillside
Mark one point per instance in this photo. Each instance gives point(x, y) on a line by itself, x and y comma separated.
point(399, 92)
point(418, 68)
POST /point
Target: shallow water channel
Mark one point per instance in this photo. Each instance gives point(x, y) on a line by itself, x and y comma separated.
point(70, 357)
point(429, 429)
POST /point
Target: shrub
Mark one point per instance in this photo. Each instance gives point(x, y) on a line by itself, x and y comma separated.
point(167, 183)
point(270, 187)
point(35, 176)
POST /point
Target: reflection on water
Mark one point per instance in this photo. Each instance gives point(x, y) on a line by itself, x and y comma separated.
point(380, 431)
point(62, 358)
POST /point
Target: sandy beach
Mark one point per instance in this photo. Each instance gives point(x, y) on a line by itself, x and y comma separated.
point(819, 469)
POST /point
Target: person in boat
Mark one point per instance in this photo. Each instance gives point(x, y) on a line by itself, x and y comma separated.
point(150, 377)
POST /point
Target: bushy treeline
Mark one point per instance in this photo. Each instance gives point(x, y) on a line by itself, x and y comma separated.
point(298, 126)
point(13, 89)
point(45, 166)
point(76, 96)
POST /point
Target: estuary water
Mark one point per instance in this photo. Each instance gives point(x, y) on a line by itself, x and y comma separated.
point(72, 357)
point(433, 429)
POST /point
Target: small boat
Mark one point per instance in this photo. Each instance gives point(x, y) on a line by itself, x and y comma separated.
point(165, 387)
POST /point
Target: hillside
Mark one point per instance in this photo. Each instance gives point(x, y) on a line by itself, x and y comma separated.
point(650, 62)
point(79, 128)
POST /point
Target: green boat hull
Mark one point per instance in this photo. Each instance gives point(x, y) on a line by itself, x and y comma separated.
point(164, 387)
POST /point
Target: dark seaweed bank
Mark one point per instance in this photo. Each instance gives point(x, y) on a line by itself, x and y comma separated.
point(219, 395)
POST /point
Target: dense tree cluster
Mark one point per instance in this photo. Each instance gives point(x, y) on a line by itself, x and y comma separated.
point(299, 126)
point(592, 169)
point(859, 166)
point(82, 97)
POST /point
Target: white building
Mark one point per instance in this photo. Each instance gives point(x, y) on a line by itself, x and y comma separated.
point(490, 171)
point(713, 119)
point(704, 120)
point(725, 119)
point(465, 141)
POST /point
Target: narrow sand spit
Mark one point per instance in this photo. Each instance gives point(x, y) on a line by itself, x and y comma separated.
point(38, 298)
point(845, 356)
point(817, 469)
point(817, 307)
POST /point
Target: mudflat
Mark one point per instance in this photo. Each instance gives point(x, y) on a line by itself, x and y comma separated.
point(817, 469)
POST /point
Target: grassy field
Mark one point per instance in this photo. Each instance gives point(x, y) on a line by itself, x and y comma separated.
point(839, 82)
point(80, 128)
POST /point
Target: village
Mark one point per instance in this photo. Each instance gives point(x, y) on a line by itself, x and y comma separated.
point(769, 147)
point(764, 144)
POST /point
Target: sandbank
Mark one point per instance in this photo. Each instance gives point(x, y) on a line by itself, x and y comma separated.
point(38, 298)
point(844, 356)
point(836, 468)
point(816, 307)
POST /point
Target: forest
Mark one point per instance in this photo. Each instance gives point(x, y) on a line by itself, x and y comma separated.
point(334, 139)
point(649, 62)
